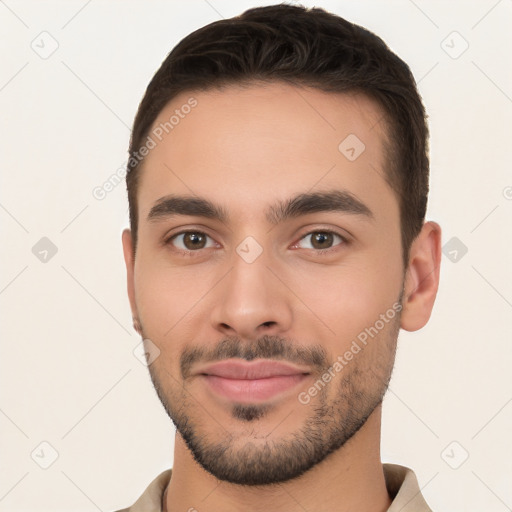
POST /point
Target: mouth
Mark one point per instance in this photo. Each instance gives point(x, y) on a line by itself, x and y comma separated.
point(254, 381)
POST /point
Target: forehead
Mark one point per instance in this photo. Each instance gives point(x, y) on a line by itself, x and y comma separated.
point(241, 146)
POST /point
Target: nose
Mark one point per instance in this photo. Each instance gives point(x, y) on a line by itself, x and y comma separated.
point(251, 301)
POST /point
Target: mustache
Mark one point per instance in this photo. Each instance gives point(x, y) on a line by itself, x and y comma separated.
point(266, 347)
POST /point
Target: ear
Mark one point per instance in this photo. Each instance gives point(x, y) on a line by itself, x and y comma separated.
point(129, 259)
point(422, 277)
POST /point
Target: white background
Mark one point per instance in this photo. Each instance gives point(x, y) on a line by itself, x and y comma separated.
point(68, 373)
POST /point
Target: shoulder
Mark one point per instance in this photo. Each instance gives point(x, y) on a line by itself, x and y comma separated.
point(151, 498)
point(404, 490)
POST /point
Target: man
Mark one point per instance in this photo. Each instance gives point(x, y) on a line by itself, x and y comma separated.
point(278, 181)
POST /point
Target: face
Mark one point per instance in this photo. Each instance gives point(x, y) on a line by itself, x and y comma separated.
point(267, 236)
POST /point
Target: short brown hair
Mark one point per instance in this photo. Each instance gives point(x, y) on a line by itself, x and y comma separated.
point(304, 47)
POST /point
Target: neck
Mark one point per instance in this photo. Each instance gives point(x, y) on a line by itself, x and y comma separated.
point(351, 478)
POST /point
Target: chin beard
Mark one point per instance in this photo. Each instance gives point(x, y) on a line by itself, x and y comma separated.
point(335, 415)
point(333, 419)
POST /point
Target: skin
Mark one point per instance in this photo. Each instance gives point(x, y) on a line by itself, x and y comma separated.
point(245, 149)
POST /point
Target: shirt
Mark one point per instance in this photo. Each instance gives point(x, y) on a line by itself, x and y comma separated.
point(401, 484)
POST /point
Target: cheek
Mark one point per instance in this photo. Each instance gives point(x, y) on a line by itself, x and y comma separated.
point(161, 306)
point(347, 299)
point(166, 296)
point(154, 295)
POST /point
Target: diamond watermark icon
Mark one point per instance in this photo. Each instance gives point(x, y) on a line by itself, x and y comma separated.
point(351, 147)
point(45, 45)
point(44, 455)
point(146, 352)
point(455, 455)
point(44, 250)
point(249, 250)
point(454, 249)
point(454, 45)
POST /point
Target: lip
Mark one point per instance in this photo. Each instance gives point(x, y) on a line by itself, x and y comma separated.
point(245, 370)
point(254, 381)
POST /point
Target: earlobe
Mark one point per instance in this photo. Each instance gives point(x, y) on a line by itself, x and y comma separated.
point(129, 260)
point(422, 277)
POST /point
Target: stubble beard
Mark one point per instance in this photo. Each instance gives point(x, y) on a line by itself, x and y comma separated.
point(333, 420)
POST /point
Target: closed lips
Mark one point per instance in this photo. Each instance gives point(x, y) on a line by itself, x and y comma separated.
point(242, 370)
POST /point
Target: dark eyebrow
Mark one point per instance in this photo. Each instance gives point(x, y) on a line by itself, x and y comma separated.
point(313, 202)
point(172, 205)
point(303, 204)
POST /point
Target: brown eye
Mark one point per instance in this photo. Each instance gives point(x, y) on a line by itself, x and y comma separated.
point(190, 240)
point(194, 240)
point(322, 240)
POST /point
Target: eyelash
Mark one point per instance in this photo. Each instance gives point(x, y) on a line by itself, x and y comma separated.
point(321, 252)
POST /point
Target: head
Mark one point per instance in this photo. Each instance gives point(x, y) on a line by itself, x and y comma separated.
point(277, 184)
